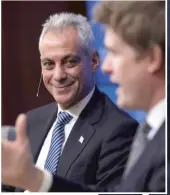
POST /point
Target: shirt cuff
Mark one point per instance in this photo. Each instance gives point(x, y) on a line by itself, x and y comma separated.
point(47, 181)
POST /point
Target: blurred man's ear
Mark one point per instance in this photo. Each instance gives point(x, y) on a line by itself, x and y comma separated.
point(95, 60)
point(156, 60)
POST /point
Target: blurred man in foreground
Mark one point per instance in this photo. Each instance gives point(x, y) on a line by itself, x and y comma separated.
point(135, 38)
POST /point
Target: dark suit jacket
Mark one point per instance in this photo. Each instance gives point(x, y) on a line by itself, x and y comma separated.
point(148, 174)
point(149, 171)
point(107, 132)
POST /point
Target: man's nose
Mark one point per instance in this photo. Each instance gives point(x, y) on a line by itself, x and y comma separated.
point(59, 73)
point(107, 66)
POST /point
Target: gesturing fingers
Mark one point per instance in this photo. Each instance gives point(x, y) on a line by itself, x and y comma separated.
point(21, 124)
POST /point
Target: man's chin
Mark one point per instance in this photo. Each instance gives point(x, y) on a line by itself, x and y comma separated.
point(125, 104)
point(122, 103)
point(65, 102)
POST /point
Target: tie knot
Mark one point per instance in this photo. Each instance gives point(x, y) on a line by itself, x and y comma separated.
point(146, 128)
point(64, 118)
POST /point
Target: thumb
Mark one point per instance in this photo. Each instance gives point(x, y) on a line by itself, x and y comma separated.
point(21, 124)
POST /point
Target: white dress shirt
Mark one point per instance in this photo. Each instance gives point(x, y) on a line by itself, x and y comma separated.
point(155, 118)
point(74, 112)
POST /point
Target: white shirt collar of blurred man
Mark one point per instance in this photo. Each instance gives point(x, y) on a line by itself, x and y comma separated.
point(156, 117)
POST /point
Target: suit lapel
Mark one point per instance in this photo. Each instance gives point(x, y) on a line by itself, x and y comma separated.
point(140, 166)
point(152, 148)
point(73, 146)
point(40, 129)
point(82, 130)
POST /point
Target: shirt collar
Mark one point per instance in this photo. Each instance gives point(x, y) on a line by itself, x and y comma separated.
point(75, 110)
point(156, 115)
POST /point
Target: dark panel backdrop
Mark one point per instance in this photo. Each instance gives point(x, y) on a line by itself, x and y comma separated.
point(21, 27)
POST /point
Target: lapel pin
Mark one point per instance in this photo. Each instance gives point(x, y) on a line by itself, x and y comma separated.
point(81, 139)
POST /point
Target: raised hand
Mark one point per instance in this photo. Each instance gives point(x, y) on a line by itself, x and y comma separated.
point(17, 164)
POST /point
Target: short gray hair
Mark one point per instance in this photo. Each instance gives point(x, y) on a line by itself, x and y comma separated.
point(66, 19)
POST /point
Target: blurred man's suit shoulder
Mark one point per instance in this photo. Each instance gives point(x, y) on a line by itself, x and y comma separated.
point(148, 175)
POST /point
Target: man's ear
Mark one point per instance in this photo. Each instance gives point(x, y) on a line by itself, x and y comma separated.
point(95, 60)
point(156, 60)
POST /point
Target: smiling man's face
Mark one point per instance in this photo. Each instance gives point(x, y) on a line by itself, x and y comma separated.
point(67, 71)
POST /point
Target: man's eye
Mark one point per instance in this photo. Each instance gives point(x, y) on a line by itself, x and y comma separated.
point(47, 64)
point(71, 63)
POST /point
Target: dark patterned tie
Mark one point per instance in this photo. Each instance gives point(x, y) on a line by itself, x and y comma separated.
point(138, 146)
point(57, 142)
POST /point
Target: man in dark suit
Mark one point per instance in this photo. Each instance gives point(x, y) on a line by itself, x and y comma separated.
point(97, 139)
point(135, 61)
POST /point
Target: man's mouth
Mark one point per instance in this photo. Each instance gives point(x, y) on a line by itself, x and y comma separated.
point(63, 86)
point(114, 82)
point(118, 90)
